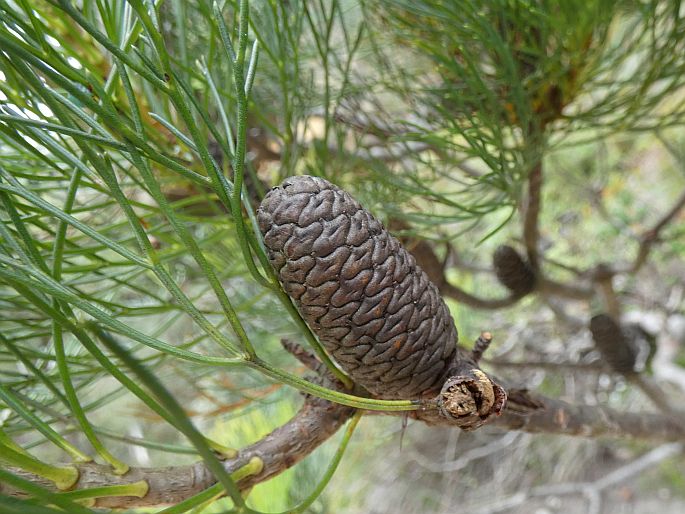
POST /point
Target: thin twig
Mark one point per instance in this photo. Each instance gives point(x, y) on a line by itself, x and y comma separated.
point(452, 291)
point(657, 395)
point(651, 236)
point(426, 258)
point(575, 367)
point(591, 490)
point(647, 241)
point(481, 345)
point(450, 466)
point(554, 288)
point(531, 231)
point(574, 323)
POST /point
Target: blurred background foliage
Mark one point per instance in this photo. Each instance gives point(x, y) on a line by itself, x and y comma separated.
point(120, 134)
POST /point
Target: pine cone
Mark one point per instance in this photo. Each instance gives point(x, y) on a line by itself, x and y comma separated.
point(612, 343)
point(512, 271)
point(358, 289)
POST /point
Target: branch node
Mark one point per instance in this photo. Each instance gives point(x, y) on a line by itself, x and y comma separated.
point(471, 399)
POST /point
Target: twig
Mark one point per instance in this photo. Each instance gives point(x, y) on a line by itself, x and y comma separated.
point(574, 323)
point(314, 423)
point(306, 357)
point(531, 231)
point(657, 395)
point(548, 286)
point(566, 267)
point(434, 268)
point(605, 287)
point(591, 490)
point(456, 261)
point(651, 236)
point(481, 345)
point(637, 466)
point(560, 417)
point(467, 457)
point(647, 241)
point(462, 296)
point(318, 420)
point(575, 367)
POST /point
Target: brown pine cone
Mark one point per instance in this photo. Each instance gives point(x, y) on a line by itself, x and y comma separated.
point(612, 343)
point(512, 271)
point(358, 289)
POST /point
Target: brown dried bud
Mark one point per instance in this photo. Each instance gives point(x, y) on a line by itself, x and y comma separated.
point(612, 343)
point(358, 289)
point(512, 271)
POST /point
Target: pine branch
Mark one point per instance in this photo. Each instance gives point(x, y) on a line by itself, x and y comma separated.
point(454, 292)
point(648, 239)
point(591, 490)
point(651, 236)
point(547, 285)
point(318, 420)
point(563, 418)
point(531, 231)
point(426, 258)
point(315, 422)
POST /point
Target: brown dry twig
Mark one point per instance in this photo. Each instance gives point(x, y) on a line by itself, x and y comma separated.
point(531, 231)
point(651, 236)
point(313, 424)
point(647, 239)
point(318, 420)
point(426, 258)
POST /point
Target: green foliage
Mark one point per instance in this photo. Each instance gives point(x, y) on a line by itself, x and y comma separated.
point(496, 85)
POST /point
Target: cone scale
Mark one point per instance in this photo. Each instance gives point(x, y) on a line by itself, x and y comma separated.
point(363, 295)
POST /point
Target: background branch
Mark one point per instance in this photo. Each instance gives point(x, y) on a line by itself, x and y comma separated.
point(591, 490)
point(531, 212)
